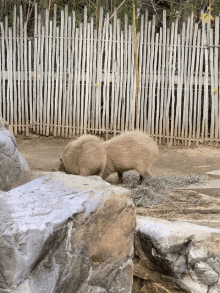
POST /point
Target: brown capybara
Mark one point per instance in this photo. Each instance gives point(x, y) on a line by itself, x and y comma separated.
point(133, 150)
point(84, 156)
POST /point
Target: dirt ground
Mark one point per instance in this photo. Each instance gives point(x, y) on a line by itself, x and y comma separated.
point(43, 154)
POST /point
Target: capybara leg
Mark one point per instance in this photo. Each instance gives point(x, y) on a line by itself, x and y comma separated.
point(98, 172)
point(120, 177)
point(87, 172)
point(84, 172)
point(141, 179)
point(104, 176)
point(144, 176)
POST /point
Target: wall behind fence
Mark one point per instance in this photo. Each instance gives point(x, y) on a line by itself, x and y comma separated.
point(71, 79)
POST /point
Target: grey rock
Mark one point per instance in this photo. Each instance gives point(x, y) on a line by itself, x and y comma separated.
point(172, 257)
point(183, 251)
point(186, 253)
point(180, 265)
point(197, 251)
point(171, 237)
point(3, 124)
point(205, 273)
point(177, 263)
point(215, 173)
point(192, 282)
point(215, 288)
point(214, 262)
point(14, 170)
point(95, 289)
point(66, 233)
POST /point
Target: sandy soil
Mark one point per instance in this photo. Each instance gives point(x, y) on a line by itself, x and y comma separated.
point(43, 153)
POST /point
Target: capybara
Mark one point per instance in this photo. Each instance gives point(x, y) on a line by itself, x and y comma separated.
point(133, 150)
point(84, 156)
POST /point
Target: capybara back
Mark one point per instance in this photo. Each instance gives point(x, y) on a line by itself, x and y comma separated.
point(133, 150)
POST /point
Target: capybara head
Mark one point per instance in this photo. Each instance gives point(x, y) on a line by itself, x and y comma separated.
point(84, 156)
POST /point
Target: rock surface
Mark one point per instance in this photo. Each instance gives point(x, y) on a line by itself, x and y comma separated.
point(66, 233)
point(215, 173)
point(14, 170)
point(177, 256)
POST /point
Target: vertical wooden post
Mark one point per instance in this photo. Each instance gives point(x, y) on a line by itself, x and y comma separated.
point(136, 65)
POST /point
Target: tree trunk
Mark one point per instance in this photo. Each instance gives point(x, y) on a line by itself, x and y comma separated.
point(108, 5)
point(42, 6)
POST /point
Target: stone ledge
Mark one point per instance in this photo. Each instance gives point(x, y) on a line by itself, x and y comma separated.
point(65, 232)
point(181, 253)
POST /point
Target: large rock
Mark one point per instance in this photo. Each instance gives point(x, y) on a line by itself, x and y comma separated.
point(177, 256)
point(66, 233)
point(14, 170)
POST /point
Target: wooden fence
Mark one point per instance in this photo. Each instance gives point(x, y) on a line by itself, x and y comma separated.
point(72, 79)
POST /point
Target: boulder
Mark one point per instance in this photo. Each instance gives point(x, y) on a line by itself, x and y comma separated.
point(66, 233)
point(4, 124)
point(177, 256)
point(14, 170)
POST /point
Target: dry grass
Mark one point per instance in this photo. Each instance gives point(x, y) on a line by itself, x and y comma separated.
point(156, 190)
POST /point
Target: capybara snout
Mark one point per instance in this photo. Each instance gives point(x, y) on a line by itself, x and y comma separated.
point(84, 156)
point(61, 166)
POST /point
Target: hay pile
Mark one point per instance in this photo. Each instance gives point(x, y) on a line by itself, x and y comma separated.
point(156, 190)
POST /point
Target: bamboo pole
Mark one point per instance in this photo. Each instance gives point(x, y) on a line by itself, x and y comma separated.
point(136, 65)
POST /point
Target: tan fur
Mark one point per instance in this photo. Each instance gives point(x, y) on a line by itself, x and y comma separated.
point(84, 156)
point(133, 150)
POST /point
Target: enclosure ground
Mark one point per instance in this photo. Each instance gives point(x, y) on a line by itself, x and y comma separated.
point(43, 154)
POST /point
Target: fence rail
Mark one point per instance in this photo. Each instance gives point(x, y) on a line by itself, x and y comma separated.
point(71, 79)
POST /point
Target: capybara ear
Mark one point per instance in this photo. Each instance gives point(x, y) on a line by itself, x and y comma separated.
point(61, 160)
